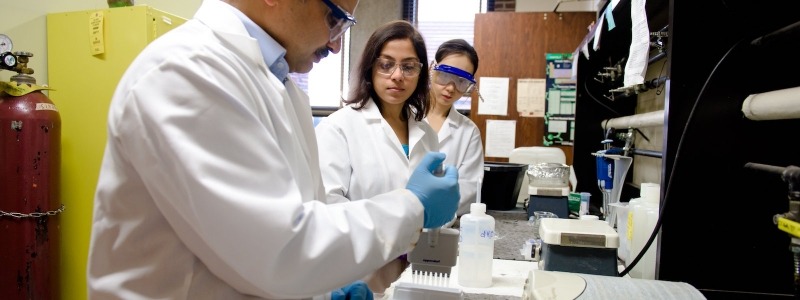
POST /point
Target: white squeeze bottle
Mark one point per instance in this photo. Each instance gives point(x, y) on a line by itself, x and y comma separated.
point(633, 205)
point(643, 217)
point(476, 246)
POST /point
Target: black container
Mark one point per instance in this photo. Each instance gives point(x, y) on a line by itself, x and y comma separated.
point(501, 184)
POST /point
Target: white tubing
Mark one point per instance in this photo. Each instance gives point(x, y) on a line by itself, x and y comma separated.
point(773, 105)
point(650, 119)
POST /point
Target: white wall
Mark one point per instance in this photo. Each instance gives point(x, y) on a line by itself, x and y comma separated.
point(371, 14)
point(25, 23)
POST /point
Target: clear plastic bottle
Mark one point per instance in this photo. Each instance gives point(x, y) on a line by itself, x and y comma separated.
point(643, 217)
point(476, 248)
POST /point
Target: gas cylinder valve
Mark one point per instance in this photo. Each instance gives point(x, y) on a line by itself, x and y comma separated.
point(8, 61)
point(17, 62)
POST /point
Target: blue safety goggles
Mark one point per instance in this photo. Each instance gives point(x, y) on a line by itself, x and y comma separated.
point(339, 20)
point(462, 80)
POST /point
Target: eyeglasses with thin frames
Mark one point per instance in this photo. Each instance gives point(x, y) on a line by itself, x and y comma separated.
point(387, 67)
point(339, 20)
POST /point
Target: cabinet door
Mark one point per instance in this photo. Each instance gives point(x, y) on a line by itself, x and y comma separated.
point(83, 85)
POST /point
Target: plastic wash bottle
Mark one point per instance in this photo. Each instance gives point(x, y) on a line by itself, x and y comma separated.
point(642, 218)
point(476, 248)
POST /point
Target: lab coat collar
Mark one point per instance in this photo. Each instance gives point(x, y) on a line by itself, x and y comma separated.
point(453, 121)
point(220, 18)
point(371, 111)
point(274, 54)
point(454, 118)
point(415, 132)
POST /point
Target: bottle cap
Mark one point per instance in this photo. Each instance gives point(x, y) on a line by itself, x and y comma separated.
point(650, 192)
point(477, 208)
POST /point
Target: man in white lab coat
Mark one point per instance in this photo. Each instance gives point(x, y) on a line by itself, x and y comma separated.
point(210, 184)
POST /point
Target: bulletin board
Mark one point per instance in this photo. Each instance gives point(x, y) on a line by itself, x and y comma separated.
point(560, 87)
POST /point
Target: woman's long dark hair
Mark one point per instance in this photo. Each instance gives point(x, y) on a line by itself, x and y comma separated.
point(362, 89)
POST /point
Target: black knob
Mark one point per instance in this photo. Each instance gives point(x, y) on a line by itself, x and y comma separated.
point(8, 61)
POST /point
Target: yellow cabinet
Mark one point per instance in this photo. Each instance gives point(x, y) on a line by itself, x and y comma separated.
point(87, 53)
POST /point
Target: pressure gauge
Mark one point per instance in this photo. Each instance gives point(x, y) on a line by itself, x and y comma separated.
point(5, 43)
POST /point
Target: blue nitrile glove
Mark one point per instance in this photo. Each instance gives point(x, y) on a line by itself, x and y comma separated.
point(355, 291)
point(439, 195)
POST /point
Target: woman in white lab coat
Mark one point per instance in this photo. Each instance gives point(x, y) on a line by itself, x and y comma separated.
point(452, 78)
point(371, 145)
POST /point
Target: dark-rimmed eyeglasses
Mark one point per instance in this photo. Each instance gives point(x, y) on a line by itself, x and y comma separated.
point(462, 80)
point(339, 20)
point(388, 66)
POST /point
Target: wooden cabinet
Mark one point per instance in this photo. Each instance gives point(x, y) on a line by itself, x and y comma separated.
point(514, 45)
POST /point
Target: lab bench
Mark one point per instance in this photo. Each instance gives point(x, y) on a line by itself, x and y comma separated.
point(509, 269)
point(511, 230)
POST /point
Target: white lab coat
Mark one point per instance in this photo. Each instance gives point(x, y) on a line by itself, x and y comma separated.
point(460, 140)
point(208, 179)
point(361, 155)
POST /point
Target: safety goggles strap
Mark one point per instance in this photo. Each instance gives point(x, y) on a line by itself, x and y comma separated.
point(455, 71)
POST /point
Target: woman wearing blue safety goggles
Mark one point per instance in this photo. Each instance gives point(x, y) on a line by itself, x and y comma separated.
point(459, 138)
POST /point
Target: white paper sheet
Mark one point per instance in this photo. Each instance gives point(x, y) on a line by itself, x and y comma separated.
point(598, 31)
point(584, 46)
point(559, 126)
point(575, 59)
point(495, 95)
point(585, 50)
point(500, 137)
point(636, 65)
point(530, 97)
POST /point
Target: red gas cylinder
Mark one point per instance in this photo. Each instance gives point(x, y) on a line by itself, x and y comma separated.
point(30, 157)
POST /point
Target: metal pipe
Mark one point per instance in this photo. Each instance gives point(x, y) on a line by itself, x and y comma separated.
point(643, 152)
point(650, 119)
point(790, 33)
point(765, 168)
point(773, 105)
point(655, 82)
point(657, 57)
